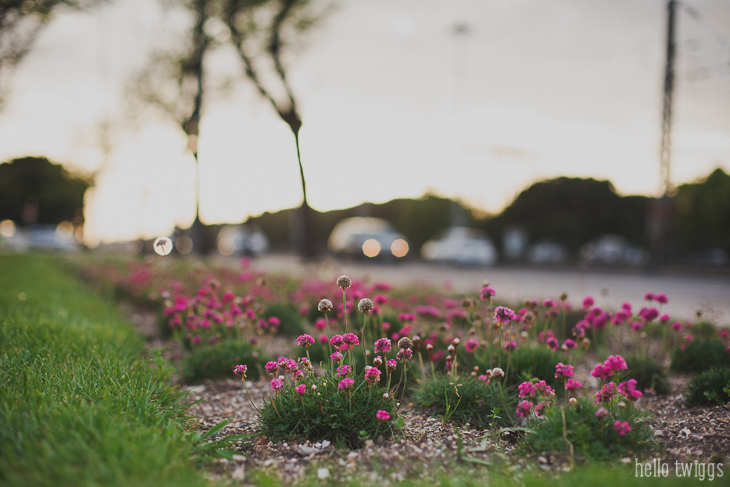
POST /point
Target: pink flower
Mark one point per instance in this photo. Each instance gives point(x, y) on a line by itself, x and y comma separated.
point(320, 324)
point(649, 297)
point(240, 369)
point(549, 303)
point(588, 301)
point(346, 383)
point(615, 363)
point(628, 389)
point(404, 354)
point(274, 321)
point(350, 339)
point(553, 343)
point(305, 341)
point(323, 340)
point(600, 371)
point(572, 385)
point(602, 412)
point(543, 389)
point(510, 346)
point(688, 338)
point(380, 299)
point(382, 345)
point(471, 345)
point(406, 317)
point(677, 326)
point(301, 389)
point(343, 370)
point(569, 344)
point(661, 298)
point(336, 357)
point(527, 389)
point(524, 408)
point(487, 293)
point(608, 391)
point(621, 427)
point(391, 365)
point(382, 415)
point(336, 340)
point(372, 375)
point(271, 367)
point(277, 383)
point(664, 318)
point(637, 325)
point(503, 315)
point(563, 371)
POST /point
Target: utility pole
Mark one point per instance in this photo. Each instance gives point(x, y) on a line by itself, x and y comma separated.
point(660, 211)
point(666, 147)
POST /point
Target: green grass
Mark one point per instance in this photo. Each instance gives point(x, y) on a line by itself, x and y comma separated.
point(78, 406)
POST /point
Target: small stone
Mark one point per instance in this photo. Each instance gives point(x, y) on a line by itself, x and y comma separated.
point(685, 431)
point(239, 458)
point(239, 473)
point(323, 473)
point(369, 444)
point(326, 443)
point(626, 461)
point(659, 433)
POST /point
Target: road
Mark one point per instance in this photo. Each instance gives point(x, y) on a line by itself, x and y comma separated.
point(687, 294)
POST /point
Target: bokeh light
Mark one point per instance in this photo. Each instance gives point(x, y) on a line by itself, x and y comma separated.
point(371, 247)
point(163, 245)
point(399, 248)
point(7, 228)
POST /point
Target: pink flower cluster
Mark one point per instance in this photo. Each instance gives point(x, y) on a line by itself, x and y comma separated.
point(621, 427)
point(563, 371)
point(613, 363)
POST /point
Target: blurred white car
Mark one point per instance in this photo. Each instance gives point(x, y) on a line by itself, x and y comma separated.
point(369, 237)
point(246, 239)
point(460, 245)
point(615, 250)
point(547, 252)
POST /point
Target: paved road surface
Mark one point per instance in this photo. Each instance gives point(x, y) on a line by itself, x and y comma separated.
point(687, 294)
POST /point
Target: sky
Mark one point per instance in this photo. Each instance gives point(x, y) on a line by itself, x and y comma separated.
point(394, 104)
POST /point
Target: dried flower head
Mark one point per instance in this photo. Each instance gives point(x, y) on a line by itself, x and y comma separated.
point(325, 306)
point(378, 361)
point(455, 342)
point(344, 282)
point(365, 305)
point(405, 342)
point(572, 401)
point(497, 373)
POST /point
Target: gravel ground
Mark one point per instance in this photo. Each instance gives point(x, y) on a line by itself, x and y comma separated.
point(426, 446)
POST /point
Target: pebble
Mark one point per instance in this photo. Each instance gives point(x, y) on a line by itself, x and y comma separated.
point(323, 473)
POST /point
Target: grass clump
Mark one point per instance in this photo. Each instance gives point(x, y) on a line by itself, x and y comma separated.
point(710, 388)
point(78, 406)
point(466, 400)
point(649, 373)
point(578, 430)
point(325, 411)
point(700, 355)
point(217, 361)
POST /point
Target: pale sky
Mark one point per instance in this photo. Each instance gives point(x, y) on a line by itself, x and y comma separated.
point(394, 104)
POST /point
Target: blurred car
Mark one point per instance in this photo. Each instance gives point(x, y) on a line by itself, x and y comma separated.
point(367, 237)
point(547, 252)
point(50, 237)
point(247, 239)
point(460, 245)
point(613, 250)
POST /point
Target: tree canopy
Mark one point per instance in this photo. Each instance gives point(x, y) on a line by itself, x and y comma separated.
point(55, 194)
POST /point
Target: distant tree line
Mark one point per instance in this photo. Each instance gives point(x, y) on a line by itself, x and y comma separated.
point(570, 211)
